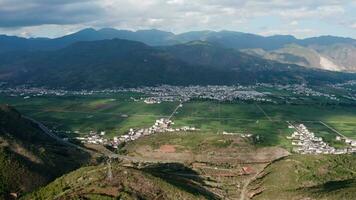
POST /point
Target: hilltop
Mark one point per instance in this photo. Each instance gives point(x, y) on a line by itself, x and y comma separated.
point(127, 183)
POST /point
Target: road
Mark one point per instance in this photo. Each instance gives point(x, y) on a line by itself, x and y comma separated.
point(174, 111)
point(55, 137)
point(335, 131)
point(267, 116)
point(327, 126)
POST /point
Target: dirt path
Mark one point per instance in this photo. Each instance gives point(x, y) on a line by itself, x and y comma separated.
point(250, 180)
point(247, 183)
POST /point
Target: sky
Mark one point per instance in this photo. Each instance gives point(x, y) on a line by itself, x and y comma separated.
point(301, 18)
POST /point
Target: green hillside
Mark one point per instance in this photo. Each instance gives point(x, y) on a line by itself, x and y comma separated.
point(308, 177)
point(127, 183)
point(28, 157)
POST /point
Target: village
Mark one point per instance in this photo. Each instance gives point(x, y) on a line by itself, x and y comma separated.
point(163, 125)
point(305, 142)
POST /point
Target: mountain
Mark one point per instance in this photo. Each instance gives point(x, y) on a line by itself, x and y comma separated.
point(124, 63)
point(150, 37)
point(107, 63)
point(193, 36)
point(324, 52)
point(326, 40)
point(334, 53)
point(342, 55)
point(30, 158)
point(336, 57)
point(13, 43)
point(229, 39)
point(291, 54)
point(238, 40)
point(216, 56)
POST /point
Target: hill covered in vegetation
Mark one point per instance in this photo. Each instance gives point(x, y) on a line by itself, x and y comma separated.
point(29, 158)
point(318, 177)
point(126, 183)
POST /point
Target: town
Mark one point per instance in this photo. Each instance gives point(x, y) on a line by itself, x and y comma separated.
point(305, 142)
point(217, 93)
point(260, 92)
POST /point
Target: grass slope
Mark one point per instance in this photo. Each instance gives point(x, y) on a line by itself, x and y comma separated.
point(28, 157)
point(308, 177)
point(127, 183)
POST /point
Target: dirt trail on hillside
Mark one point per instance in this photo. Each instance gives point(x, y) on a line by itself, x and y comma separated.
point(248, 182)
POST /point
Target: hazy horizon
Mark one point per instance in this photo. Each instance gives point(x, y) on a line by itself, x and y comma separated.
point(176, 33)
point(302, 19)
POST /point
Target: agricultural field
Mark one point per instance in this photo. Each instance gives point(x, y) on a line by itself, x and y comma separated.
point(114, 114)
point(117, 113)
point(346, 128)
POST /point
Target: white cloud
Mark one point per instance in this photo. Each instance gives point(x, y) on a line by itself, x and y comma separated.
point(294, 23)
point(172, 15)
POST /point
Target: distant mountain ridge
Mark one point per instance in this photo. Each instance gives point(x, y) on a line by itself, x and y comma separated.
point(13, 43)
point(334, 53)
point(124, 63)
point(153, 37)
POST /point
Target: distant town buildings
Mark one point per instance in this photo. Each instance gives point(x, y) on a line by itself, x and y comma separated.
point(259, 92)
point(168, 93)
point(305, 142)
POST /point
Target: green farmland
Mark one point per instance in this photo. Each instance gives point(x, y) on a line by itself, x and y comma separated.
point(118, 113)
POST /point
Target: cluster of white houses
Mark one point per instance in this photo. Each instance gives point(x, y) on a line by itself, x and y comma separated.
point(305, 142)
point(160, 126)
point(94, 138)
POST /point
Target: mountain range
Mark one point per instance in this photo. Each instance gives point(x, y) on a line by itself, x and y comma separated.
point(124, 63)
point(328, 52)
point(109, 58)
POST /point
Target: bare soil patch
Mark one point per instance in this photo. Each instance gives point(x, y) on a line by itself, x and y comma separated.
point(167, 148)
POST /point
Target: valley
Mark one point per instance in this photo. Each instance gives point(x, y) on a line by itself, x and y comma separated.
point(103, 114)
point(237, 138)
